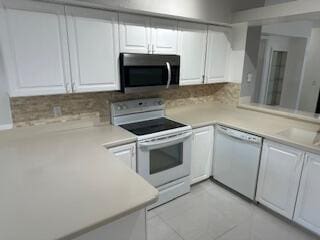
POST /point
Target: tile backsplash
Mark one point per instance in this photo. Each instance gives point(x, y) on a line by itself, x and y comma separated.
point(29, 111)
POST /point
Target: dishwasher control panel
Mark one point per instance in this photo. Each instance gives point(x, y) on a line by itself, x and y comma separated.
point(239, 135)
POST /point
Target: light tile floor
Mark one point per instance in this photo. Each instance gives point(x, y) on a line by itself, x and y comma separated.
point(210, 212)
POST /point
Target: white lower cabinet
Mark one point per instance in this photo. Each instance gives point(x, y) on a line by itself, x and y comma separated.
point(307, 211)
point(279, 177)
point(131, 227)
point(202, 154)
point(126, 154)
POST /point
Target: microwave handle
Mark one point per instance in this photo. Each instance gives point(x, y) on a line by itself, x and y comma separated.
point(169, 74)
point(165, 141)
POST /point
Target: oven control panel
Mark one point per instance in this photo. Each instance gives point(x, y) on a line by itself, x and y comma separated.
point(141, 105)
point(132, 108)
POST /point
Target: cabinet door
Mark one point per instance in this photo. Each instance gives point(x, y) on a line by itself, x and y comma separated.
point(134, 33)
point(38, 62)
point(94, 49)
point(218, 51)
point(308, 208)
point(202, 149)
point(192, 48)
point(127, 154)
point(279, 177)
point(164, 36)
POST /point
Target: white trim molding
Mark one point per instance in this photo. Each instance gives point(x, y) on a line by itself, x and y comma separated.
point(300, 9)
point(6, 126)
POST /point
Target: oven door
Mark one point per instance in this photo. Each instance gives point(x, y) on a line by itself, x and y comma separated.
point(144, 72)
point(165, 159)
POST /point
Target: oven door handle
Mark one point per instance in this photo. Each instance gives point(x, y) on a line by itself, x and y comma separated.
point(165, 141)
point(169, 74)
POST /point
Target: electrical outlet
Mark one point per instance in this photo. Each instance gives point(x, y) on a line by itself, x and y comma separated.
point(57, 111)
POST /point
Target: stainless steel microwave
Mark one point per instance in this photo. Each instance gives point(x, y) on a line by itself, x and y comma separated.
point(147, 72)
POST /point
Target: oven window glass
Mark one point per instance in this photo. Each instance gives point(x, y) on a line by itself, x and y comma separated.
point(166, 158)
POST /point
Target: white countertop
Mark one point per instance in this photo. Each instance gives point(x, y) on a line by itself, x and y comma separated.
point(59, 184)
point(263, 124)
point(58, 181)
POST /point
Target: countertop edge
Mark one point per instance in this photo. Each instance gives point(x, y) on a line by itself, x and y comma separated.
point(111, 219)
point(119, 142)
point(278, 139)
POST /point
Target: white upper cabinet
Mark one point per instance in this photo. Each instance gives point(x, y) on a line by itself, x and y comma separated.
point(94, 49)
point(192, 48)
point(308, 208)
point(218, 53)
point(134, 33)
point(279, 177)
point(38, 59)
point(202, 154)
point(56, 49)
point(164, 36)
point(140, 34)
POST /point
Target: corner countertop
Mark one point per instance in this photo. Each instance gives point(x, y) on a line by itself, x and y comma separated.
point(59, 181)
point(262, 124)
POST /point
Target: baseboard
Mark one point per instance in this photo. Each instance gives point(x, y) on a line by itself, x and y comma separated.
point(6, 126)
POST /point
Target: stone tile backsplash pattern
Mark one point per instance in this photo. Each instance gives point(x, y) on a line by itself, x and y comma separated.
point(29, 111)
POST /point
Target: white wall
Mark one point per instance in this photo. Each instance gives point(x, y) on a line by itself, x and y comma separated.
point(251, 62)
point(5, 111)
point(272, 2)
point(291, 29)
point(211, 11)
point(295, 47)
point(239, 5)
point(293, 72)
point(237, 56)
point(311, 82)
point(288, 11)
point(214, 11)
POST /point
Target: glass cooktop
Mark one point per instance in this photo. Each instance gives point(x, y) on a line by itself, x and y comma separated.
point(151, 126)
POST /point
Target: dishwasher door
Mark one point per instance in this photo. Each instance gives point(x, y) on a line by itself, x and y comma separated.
point(236, 160)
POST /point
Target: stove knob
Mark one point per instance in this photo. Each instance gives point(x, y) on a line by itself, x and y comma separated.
point(120, 107)
point(160, 102)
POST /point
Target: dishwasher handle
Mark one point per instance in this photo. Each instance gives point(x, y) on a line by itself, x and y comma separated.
point(245, 137)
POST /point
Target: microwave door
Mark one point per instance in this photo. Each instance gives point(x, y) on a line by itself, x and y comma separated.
point(141, 72)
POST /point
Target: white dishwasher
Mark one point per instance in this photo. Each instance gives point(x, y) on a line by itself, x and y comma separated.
point(236, 160)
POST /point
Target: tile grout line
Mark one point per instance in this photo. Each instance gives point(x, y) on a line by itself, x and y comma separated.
point(171, 227)
point(229, 230)
point(159, 215)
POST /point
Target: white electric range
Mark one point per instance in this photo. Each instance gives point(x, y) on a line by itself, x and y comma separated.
point(163, 147)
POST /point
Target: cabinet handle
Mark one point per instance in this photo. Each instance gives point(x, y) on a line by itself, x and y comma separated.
point(153, 49)
point(73, 86)
point(203, 78)
point(149, 48)
point(67, 87)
